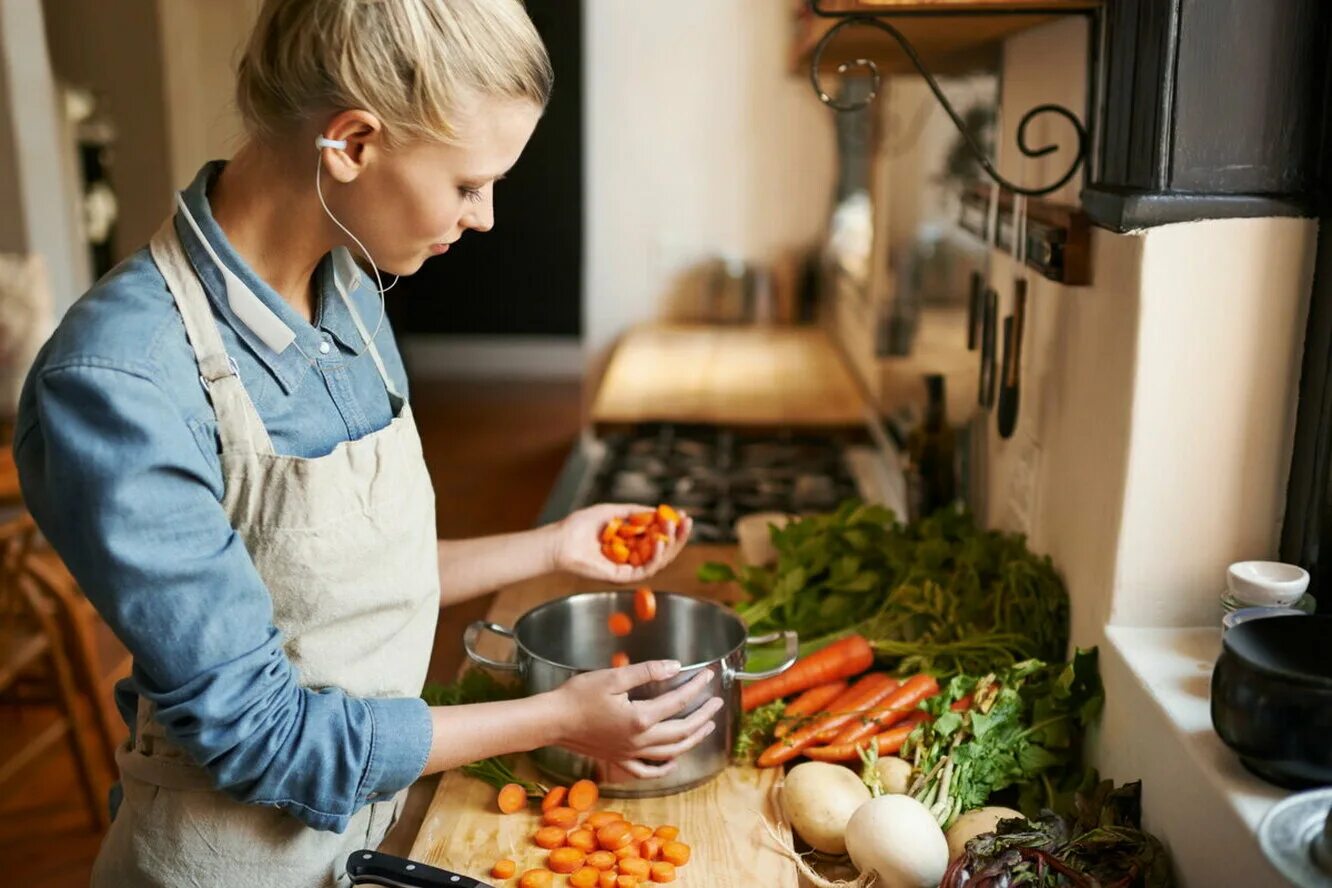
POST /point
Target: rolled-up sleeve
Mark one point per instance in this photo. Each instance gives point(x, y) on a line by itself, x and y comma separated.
point(118, 482)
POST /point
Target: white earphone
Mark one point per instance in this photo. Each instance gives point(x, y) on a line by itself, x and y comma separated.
point(341, 144)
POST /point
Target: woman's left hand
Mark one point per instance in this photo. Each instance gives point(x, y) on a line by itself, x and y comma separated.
point(577, 543)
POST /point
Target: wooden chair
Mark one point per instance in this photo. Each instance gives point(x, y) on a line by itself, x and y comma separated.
point(32, 653)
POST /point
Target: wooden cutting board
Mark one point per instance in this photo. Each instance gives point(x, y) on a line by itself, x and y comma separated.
point(740, 376)
point(464, 832)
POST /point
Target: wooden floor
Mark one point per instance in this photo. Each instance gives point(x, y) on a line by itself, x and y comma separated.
point(494, 449)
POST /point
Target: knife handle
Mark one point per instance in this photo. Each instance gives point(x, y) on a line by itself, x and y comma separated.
point(1013, 368)
point(974, 310)
point(988, 374)
point(373, 868)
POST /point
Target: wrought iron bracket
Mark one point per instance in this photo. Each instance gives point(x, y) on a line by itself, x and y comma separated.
point(877, 20)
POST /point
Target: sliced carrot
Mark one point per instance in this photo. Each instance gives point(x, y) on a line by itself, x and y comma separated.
point(607, 879)
point(887, 742)
point(602, 860)
point(512, 798)
point(666, 513)
point(582, 839)
point(645, 604)
point(629, 531)
point(640, 832)
point(630, 850)
point(642, 519)
point(864, 695)
point(619, 624)
point(623, 881)
point(650, 849)
point(583, 795)
point(667, 833)
point(584, 877)
point(554, 798)
point(841, 659)
point(598, 819)
point(503, 869)
point(808, 703)
point(636, 867)
point(675, 852)
point(619, 660)
point(565, 860)
point(895, 707)
point(536, 878)
point(663, 871)
point(550, 837)
point(565, 818)
point(611, 530)
point(619, 552)
point(614, 836)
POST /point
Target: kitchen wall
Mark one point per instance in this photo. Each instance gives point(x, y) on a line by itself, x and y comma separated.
point(1157, 410)
point(699, 142)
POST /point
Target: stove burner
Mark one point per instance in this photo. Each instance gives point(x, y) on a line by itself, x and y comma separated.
point(718, 476)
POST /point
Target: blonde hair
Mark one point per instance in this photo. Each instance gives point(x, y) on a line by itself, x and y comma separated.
point(411, 63)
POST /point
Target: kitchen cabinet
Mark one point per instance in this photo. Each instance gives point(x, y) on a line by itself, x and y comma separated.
point(464, 832)
point(952, 36)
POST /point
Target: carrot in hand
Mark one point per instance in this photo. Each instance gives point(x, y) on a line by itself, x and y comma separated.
point(645, 604)
point(865, 694)
point(583, 795)
point(554, 798)
point(841, 659)
point(811, 701)
point(512, 798)
point(895, 707)
point(887, 743)
point(503, 869)
point(620, 625)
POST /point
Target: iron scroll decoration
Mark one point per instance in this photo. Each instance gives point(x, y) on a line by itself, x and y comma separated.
point(875, 20)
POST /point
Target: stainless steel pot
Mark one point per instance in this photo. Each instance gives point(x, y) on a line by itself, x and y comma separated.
point(560, 639)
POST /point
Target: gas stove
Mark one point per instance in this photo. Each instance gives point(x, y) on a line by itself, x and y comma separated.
point(718, 475)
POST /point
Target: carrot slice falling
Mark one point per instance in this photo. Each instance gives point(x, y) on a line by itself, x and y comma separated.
point(512, 798)
point(620, 625)
point(841, 659)
point(645, 604)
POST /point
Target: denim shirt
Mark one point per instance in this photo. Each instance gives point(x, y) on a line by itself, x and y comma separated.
point(117, 451)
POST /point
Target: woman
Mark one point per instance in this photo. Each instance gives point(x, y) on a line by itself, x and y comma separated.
point(217, 442)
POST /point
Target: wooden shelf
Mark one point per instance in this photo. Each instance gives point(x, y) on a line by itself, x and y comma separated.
point(953, 37)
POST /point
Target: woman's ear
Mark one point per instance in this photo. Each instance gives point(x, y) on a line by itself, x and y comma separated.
point(359, 135)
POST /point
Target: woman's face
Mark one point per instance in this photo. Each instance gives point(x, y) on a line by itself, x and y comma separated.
point(412, 202)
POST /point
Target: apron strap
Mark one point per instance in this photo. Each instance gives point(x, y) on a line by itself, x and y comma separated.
point(238, 424)
point(365, 336)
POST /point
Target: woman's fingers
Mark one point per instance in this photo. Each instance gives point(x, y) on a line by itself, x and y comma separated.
point(674, 730)
point(644, 771)
point(672, 750)
point(672, 702)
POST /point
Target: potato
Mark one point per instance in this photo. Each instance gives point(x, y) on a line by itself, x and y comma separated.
point(819, 798)
point(894, 774)
point(974, 823)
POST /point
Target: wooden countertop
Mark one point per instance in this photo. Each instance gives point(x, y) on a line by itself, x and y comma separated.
point(464, 832)
point(745, 376)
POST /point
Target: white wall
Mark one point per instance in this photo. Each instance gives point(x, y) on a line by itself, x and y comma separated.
point(1157, 404)
point(698, 142)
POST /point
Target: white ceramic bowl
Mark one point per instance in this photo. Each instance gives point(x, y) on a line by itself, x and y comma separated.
point(1267, 583)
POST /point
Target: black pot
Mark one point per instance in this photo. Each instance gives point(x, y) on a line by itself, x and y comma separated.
point(1272, 698)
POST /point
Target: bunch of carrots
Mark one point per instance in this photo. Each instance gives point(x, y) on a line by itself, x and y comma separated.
point(633, 540)
point(604, 851)
point(832, 717)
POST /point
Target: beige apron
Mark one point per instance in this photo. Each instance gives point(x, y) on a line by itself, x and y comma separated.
point(346, 545)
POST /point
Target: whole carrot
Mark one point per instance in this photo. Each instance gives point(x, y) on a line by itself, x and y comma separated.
point(895, 707)
point(846, 704)
point(808, 703)
point(865, 694)
point(888, 742)
point(841, 659)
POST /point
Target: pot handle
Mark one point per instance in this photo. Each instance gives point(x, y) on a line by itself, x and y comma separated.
point(792, 654)
point(470, 635)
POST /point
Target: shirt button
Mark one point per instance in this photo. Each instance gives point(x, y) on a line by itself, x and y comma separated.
point(324, 347)
point(372, 795)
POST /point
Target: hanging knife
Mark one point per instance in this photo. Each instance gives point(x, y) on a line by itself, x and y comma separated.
point(989, 323)
point(974, 310)
point(1012, 369)
point(373, 868)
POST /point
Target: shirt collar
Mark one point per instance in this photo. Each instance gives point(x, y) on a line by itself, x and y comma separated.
point(340, 275)
point(267, 324)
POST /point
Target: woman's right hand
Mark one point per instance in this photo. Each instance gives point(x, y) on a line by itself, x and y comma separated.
point(640, 737)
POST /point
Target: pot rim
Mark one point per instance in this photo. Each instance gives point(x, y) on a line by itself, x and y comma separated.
point(1305, 679)
point(726, 612)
